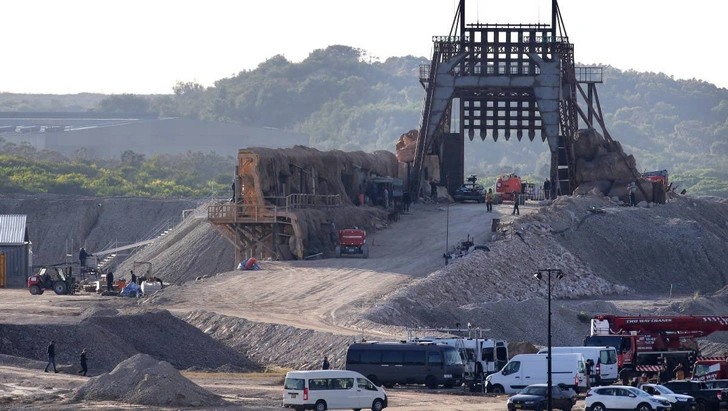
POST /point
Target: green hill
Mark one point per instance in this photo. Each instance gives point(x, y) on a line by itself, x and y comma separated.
point(344, 101)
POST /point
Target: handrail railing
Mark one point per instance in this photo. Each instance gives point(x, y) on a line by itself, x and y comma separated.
point(256, 213)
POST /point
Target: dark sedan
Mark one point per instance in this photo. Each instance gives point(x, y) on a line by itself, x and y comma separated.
point(534, 397)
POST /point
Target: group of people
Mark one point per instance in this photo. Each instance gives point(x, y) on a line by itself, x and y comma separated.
point(52, 359)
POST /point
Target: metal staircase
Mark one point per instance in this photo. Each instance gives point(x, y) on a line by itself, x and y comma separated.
point(114, 251)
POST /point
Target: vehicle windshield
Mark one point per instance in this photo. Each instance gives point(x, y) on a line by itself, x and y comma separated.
point(452, 357)
point(534, 390)
point(663, 390)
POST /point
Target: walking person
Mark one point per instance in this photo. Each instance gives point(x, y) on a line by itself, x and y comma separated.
point(406, 201)
point(632, 189)
point(110, 281)
point(325, 363)
point(489, 201)
point(516, 211)
point(51, 357)
point(333, 235)
point(84, 364)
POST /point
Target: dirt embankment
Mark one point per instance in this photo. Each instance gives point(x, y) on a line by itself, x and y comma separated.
point(62, 224)
point(112, 337)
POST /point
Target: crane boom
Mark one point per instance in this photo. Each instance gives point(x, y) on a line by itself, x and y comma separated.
point(691, 326)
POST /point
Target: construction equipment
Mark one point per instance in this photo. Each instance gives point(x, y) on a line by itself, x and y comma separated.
point(470, 191)
point(352, 241)
point(482, 356)
point(505, 185)
point(143, 270)
point(641, 340)
point(659, 175)
point(58, 277)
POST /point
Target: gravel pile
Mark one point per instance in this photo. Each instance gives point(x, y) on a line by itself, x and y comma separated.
point(112, 339)
point(623, 250)
point(144, 380)
point(273, 343)
point(192, 249)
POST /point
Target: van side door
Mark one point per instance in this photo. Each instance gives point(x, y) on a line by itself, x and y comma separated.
point(366, 392)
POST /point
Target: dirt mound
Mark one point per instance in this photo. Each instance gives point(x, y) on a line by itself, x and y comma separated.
point(112, 339)
point(143, 380)
point(273, 343)
point(193, 248)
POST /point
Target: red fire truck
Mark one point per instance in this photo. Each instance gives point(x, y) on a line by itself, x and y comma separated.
point(643, 341)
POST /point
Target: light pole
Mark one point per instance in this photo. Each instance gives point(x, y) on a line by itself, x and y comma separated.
point(539, 276)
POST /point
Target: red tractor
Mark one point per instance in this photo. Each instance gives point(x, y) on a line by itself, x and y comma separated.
point(52, 277)
point(352, 241)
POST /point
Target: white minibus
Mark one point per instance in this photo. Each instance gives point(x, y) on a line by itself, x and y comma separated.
point(331, 390)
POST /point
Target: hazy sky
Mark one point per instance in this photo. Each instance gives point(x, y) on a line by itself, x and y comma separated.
point(135, 46)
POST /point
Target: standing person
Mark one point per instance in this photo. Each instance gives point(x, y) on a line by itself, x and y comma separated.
point(51, 356)
point(84, 365)
point(333, 234)
point(406, 201)
point(232, 199)
point(632, 189)
point(386, 198)
point(433, 190)
point(625, 375)
point(325, 363)
point(133, 277)
point(110, 281)
point(589, 372)
point(82, 257)
point(489, 201)
point(547, 188)
point(516, 211)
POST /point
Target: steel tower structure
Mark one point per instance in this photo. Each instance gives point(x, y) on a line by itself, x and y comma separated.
point(510, 80)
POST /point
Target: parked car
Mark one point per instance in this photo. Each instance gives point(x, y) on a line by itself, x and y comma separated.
point(708, 399)
point(680, 402)
point(534, 397)
point(618, 397)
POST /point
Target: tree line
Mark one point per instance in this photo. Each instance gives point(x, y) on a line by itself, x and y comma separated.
point(345, 101)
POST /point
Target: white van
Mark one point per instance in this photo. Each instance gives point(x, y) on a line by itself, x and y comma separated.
point(606, 371)
point(526, 369)
point(331, 390)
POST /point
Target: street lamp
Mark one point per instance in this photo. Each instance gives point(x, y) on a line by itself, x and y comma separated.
point(539, 276)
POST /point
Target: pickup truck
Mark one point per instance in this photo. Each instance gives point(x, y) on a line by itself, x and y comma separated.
point(708, 399)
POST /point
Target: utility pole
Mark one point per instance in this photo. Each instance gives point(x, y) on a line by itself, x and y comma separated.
point(539, 276)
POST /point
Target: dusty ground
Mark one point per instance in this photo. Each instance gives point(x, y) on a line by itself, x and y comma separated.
point(292, 313)
point(21, 388)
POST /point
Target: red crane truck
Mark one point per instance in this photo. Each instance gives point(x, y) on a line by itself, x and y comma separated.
point(642, 342)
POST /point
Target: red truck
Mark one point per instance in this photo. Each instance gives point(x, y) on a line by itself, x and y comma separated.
point(642, 341)
point(352, 241)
